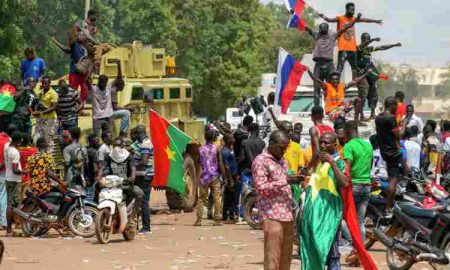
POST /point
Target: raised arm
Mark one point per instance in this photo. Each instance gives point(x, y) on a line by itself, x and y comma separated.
point(366, 20)
point(314, 135)
point(274, 118)
point(118, 81)
point(59, 45)
point(309, 30)
point(343, 30)
point(319, 82)
point(357, 80)
point(387, 47)
point(330, 20)
point(367, 43)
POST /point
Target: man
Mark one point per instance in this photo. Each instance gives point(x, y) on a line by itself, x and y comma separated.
point(272, 184)
point(340, 134)
point(347, 42)
point(26, 150)
point(378, 165)
point(413, 149)
point(368, 86)
point(25, 104)
point(315, 132)
point(241, 134)
point(102, 108)
point(32, 66)
point(105, 148)
point(5, 140)
point(209, 178)
point(69, 106)
point(251, 147)
point(327, 179)
point(335, 92)
point(46, 112)
point(231, 177)
point(13, 177)
point(75, 154)
point(358, 154)
point(77, 74)
point(297, 136)
point(412, 119)
point(88, 28)
point(42, 169)
point(388, 135)
point(266, 118)
point(143, 158)
point(92, 165)
point(118, 112)
point(401, 106)
point(324, 42)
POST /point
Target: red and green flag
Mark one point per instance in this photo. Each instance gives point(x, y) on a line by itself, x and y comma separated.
point(7, 103)
point(169, 144)
point(325, 207)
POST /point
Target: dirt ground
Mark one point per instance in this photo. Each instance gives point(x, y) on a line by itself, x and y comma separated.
point(174, 244)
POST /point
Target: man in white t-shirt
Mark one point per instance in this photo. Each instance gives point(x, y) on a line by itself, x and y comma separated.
point(105, 148)
point(267, 117)
point(412, 119)
point(413, 149)
point(13, 171)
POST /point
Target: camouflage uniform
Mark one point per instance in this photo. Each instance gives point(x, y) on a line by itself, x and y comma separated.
point(46, 128)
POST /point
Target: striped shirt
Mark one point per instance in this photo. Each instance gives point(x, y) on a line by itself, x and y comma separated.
point(67, 105)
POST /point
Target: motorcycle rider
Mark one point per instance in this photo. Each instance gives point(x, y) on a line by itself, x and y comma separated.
point(120, 162)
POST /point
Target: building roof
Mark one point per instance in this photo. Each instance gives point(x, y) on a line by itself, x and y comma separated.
point(426, 75)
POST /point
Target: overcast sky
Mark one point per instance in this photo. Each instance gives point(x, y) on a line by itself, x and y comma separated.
point(423, 27)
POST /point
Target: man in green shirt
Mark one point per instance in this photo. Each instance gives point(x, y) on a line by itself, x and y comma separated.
point(358, 155)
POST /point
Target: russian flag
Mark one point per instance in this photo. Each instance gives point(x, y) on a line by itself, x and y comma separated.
point(296, 5)
point(289, 74)
point(296, 22)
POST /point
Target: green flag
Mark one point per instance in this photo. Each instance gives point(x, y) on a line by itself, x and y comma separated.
point(7, 103)
point(322, 215)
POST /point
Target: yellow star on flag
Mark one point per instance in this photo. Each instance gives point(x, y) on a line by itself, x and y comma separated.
point(170, 153)
point(6, 92)
point(321, 180)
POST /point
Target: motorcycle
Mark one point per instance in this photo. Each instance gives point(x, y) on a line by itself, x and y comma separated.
point(57, 210)
point(249, 202)
point(114, 214)
point(409, 189)
point(422, 235)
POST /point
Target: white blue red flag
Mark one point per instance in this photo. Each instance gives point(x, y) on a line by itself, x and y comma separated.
point(296, 5)
point(296, 22)
point(290, 72)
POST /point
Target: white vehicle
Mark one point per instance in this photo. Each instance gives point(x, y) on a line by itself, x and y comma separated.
point(113, 212)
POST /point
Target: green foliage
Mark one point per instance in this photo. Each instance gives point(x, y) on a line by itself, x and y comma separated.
point(223, 47)
point(443, 90)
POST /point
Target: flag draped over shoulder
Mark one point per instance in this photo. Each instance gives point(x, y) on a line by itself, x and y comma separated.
point(289, 74)
point(169, 143)
point(7, 103)
point(322, 215)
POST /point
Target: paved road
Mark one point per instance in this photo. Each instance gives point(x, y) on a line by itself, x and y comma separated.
point(175, 244)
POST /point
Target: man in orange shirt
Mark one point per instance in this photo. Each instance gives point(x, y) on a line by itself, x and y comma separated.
point(335, 90)
point(347, 42)
point(401, 106)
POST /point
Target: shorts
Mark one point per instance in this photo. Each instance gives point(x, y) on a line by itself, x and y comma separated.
point(77, 80)
point(394, 167)
point(13, 193)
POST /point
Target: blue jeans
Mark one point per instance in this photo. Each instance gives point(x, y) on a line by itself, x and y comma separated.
point(361, 195)
point(67, 125)
point(145, 207)
point(3, 201)
point(333, 262)
point(246, 181)
point(90, 192)
point(124, 116)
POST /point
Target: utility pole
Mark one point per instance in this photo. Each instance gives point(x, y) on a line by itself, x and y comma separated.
point(87, 6)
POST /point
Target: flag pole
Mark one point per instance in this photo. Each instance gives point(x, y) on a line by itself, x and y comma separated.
point(308, 5)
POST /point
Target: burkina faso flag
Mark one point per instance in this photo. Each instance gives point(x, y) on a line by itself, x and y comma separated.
point(169, 144)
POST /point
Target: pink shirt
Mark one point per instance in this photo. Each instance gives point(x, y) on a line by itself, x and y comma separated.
point(274, 193)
